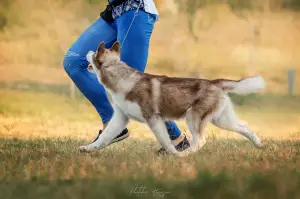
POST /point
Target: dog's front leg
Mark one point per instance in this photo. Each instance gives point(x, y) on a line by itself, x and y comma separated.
point(115, 126)
point(158, 127)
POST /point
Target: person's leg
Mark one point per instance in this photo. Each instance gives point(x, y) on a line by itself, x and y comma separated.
point(75, 65)
point(134, 49)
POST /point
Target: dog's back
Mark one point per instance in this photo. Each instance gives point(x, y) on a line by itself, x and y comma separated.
point(171, 97)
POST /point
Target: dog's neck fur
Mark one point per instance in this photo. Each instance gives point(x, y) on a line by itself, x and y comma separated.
point(112, 74)
point(110, 63)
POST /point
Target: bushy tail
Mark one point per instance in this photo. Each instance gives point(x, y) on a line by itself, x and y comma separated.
point(243, 86)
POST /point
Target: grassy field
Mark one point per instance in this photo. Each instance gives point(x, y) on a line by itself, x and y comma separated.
point(39, 158)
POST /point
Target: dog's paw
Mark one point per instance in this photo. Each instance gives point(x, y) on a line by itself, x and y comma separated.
point(194, 149)
point(87, 148)
point(91, 147)
point(83, 149)
point(258, 144)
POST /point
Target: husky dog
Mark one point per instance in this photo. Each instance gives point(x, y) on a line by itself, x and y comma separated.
point(154, 99)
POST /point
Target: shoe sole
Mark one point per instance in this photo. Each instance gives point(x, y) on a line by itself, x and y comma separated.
point(162, 151)
point(120, 138)
point(113, 141)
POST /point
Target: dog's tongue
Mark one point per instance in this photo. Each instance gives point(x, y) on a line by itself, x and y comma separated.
point(89, 66)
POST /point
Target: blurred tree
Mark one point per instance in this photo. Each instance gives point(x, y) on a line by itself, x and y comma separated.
point(244, 9)
point(291, 4)
point(3, 21)
point(250, 12)
point(4, 6)
point(190, 7)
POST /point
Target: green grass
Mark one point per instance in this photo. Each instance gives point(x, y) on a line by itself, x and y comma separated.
point(39, 156)
point(223, 169)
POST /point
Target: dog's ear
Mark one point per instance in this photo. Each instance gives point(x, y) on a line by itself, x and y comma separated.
point(116, 47)
point(101, 48)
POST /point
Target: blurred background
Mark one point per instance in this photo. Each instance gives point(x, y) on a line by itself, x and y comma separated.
point(210, 38)
point(44, 118)
point(207, 38)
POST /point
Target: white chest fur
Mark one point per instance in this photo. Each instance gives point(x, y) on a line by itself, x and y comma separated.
point(131, 109)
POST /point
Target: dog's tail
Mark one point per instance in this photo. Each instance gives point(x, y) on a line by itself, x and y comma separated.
point(243, 86)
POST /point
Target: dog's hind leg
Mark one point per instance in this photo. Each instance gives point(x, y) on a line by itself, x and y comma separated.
point(159, 129)
point(193, 125)
point(228, 120)
point(197, 122)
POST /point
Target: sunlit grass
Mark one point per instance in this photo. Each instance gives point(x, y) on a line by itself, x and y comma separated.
point(41, 133)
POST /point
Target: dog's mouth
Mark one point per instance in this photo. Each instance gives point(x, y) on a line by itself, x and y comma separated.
point(90, 67)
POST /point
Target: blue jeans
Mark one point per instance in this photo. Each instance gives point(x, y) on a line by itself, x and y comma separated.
point(134, 52)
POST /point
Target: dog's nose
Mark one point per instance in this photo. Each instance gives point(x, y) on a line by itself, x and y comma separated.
point(89, 55)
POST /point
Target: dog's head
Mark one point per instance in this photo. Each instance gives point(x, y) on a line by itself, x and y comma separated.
point(103, 57)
